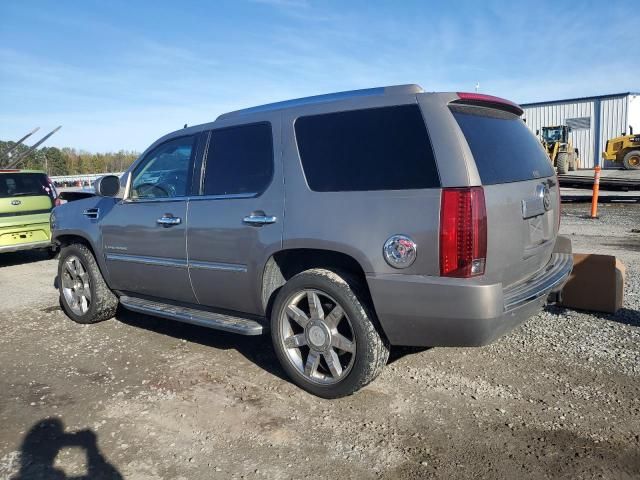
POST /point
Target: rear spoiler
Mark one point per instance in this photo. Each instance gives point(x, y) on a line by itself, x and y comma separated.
point(483, 100)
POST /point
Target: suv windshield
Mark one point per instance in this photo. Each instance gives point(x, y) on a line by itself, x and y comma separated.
point(20, 184)
point(502, 146)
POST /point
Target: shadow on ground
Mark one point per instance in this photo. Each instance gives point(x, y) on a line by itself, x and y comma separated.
point(20, 258)
point(46, 439)
point(258, 349)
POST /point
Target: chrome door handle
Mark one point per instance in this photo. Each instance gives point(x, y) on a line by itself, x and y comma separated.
point(259, 220)
point(169, 221)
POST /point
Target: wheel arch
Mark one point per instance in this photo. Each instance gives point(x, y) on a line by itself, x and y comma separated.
point(284, 264)
point(65, 239)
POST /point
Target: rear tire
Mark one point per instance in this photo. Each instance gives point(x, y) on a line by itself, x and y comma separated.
point(562, 163)
point(84, 295)
point(573, 161)
point(324, 335)
point(631, 160)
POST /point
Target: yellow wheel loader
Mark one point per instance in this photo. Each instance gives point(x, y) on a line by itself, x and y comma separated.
point(557, 143)
point(624, 149)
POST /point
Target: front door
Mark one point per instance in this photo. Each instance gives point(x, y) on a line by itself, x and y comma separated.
point(144, 235)
point(237, 221)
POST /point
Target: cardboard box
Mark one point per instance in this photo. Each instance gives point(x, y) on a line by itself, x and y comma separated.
point(596, 283)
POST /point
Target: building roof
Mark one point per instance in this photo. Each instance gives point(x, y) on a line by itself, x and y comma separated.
point(579, 99)
point(330, 97)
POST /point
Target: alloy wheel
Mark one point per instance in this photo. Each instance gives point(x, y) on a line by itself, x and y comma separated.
point(317, 336)
point(76, 285)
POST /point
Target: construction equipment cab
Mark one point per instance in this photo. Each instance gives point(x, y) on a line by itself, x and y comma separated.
point(624, 149)
point(558, 145)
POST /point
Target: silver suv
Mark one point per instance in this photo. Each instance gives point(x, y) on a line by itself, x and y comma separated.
point(342, 223)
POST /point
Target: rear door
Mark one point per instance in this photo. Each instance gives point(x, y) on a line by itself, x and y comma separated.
point(521, 191)
point(237, 221)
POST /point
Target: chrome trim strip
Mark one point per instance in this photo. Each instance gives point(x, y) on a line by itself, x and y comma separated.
point(222, 197)
point(155, 261)
point(224, 267)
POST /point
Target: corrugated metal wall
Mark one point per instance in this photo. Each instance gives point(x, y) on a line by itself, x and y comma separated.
point(612, 121)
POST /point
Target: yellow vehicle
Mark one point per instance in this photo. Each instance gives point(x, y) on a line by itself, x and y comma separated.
point(624, 149)
point(557, 143)
point(26, 200)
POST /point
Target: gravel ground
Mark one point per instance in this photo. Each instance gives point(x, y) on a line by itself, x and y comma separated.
point(144, 398)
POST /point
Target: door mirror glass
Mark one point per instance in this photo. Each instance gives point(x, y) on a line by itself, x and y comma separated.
point(107, 186)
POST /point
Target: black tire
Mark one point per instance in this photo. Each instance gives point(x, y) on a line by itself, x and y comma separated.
point(573, 161)
point(562, 163)
point(631, 160)
point(371, 348)
point(104, 303)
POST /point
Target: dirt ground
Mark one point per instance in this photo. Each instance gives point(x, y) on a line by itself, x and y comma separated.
point(143, 398)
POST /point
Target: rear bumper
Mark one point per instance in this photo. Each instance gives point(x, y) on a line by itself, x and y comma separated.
point(24, 237)
point(437, 311)
point(25, 246)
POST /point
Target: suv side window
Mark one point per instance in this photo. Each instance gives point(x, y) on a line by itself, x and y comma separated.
point(384, 148)
point(164, 173)
point(239, 160)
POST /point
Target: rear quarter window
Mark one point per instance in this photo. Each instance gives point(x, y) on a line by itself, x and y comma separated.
point(502, 146)
point(374, 149)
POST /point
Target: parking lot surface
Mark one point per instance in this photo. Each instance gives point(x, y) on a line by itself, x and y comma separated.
point(143, 398)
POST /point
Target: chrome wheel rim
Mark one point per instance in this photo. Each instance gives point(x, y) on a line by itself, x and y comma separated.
point(76, 285)
point(317, 336)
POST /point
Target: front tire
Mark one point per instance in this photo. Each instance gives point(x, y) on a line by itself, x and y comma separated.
point(631, 160)
point(84, 295)
point(324, 335)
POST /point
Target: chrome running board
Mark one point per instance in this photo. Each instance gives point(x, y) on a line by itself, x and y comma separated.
point(203, 318)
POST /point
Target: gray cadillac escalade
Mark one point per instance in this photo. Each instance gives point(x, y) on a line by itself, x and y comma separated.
point(342, 223)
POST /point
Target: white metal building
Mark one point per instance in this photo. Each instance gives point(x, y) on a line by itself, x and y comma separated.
point(593, 121)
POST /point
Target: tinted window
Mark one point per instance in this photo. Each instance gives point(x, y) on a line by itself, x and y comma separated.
point(503, 147)
point(374, 149)
point(25, 185)
point(239, 160)
point(164, 172)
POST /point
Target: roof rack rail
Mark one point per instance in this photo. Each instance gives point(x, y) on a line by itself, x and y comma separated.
point(329, 97)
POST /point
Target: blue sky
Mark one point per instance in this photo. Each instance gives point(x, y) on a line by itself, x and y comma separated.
point(119, 74)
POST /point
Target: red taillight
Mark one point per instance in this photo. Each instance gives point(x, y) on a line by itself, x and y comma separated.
point(463, 232)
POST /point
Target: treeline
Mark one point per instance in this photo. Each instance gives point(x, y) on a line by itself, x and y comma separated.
point(68, 161)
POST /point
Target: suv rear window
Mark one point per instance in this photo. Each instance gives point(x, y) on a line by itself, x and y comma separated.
point(374, 149)
point(25, 185)
point(502, 146)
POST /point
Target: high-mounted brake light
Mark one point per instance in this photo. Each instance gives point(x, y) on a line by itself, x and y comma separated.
point(463, 232)
point(8, 170)
point(481, 98)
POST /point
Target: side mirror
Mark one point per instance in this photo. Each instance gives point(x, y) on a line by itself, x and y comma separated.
point(107, 186)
